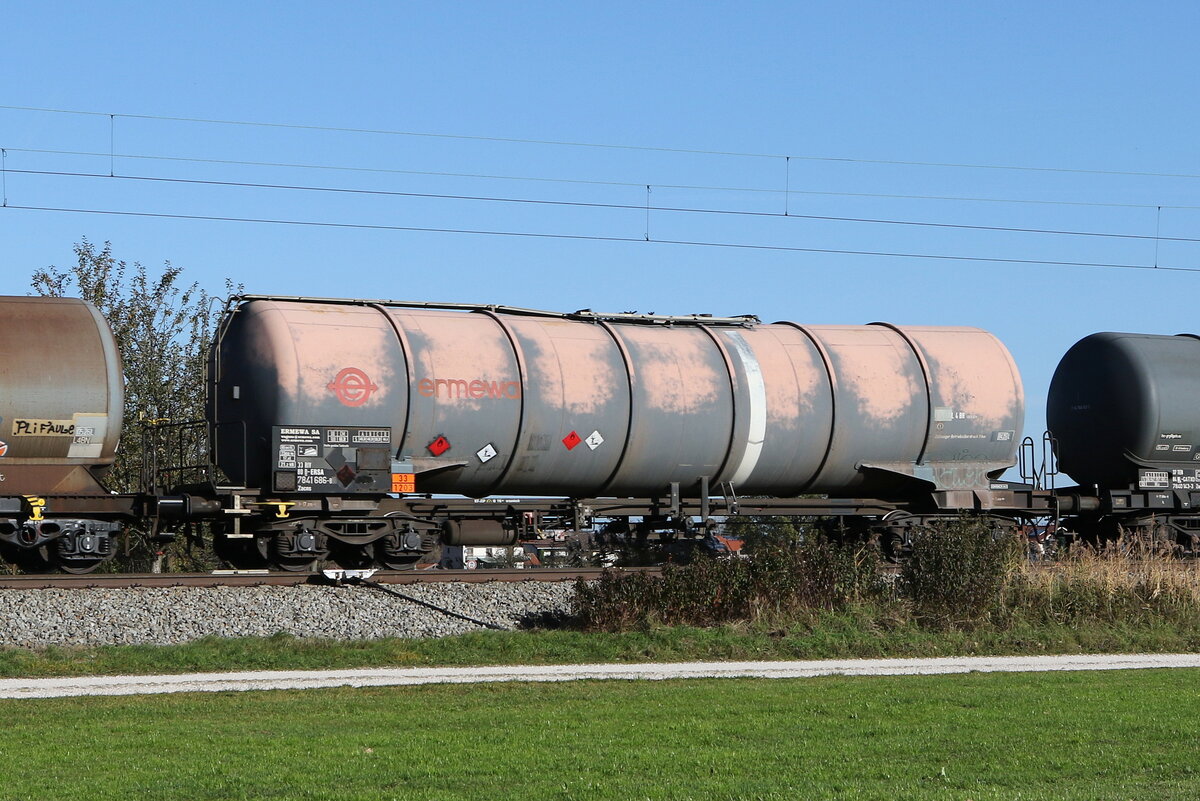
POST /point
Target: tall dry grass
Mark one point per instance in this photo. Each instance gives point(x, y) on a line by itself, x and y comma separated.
point(1133, 588)
point(963, 575)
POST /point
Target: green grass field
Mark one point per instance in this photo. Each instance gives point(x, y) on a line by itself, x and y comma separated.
point(1119, 735)
point(831, 635)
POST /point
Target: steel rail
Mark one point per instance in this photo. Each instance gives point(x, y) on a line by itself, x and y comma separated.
point(284, 579)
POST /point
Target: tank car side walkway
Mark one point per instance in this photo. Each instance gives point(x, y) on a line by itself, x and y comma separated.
point(390, 677)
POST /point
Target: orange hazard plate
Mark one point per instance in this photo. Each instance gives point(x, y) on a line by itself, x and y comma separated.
point(404, 482)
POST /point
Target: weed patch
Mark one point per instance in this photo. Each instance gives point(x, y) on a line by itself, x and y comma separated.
point(778, 583)
point(963, 576)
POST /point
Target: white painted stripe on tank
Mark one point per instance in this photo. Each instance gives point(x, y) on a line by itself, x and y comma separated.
point(757, 389)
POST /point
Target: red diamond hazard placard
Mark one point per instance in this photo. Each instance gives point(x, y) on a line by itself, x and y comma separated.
point(439, 446)
point(571, 440)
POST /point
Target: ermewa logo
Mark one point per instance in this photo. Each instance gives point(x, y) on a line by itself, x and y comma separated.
point(352, 386)
point(464, 388)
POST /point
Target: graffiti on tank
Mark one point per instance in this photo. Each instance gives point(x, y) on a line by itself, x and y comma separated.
point(967, 475)
point(22, 427)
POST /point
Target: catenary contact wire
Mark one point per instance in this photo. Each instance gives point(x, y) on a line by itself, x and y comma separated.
point(596, 238)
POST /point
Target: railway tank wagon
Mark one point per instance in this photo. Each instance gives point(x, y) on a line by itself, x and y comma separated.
point(324, 411)
point(61, 405)
point(1123, 409)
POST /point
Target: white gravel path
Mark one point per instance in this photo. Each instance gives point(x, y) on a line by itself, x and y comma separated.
point(382, 677)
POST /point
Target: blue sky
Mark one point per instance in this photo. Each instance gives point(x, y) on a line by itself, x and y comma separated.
point(1100, 95)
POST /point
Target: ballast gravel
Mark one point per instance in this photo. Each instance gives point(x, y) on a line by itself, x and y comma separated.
point(169, 616)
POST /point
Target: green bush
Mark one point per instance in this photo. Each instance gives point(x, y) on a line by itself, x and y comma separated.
point(967, 575)
point(958, 571)
point(777, 583)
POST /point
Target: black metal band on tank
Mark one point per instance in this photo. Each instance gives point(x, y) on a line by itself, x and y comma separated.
point(409, 369)
point(733, 405)
point(928, 384)
point(831, 378)
point(630, 379)
point(523, 374)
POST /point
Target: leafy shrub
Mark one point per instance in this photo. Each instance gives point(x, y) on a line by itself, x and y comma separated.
point(958, 571)
point(776, 583)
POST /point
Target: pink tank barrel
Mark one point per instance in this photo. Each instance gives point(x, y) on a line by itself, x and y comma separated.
point(61, 392)
point(492, 401)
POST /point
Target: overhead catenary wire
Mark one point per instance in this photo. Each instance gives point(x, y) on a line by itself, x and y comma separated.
point(646, 207)
point(787, 191)
point(602, 145)
point(598, 238)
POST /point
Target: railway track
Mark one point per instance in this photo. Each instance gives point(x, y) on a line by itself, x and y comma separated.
point(279, 578)
point(250, 578)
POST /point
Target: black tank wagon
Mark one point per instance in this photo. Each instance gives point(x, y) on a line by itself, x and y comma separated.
point(1124, 409)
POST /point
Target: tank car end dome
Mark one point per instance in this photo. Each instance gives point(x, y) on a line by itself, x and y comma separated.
point(1120, 404)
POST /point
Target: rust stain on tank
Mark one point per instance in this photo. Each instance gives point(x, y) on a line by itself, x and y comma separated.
point(676, 370)
point(973, 373)
point(878, 368)
point(310, 348)
point(584, 369)
point(463, 349)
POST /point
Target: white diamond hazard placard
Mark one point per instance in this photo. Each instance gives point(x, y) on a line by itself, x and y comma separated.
point(486, 453)
point(594, 440)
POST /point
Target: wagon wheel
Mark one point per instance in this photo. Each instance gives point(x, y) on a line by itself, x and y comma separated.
point(892, 534)
point(1165, 541)
point(406, 550)
point(75, 565)
point(394, 561)
point(283, 559)
point(78, 567)
point(292, 564)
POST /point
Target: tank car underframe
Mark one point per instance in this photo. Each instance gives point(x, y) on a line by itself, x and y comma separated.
point(350, 542)
point(254, 531)
point(1162, 521)
point(75, 533)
